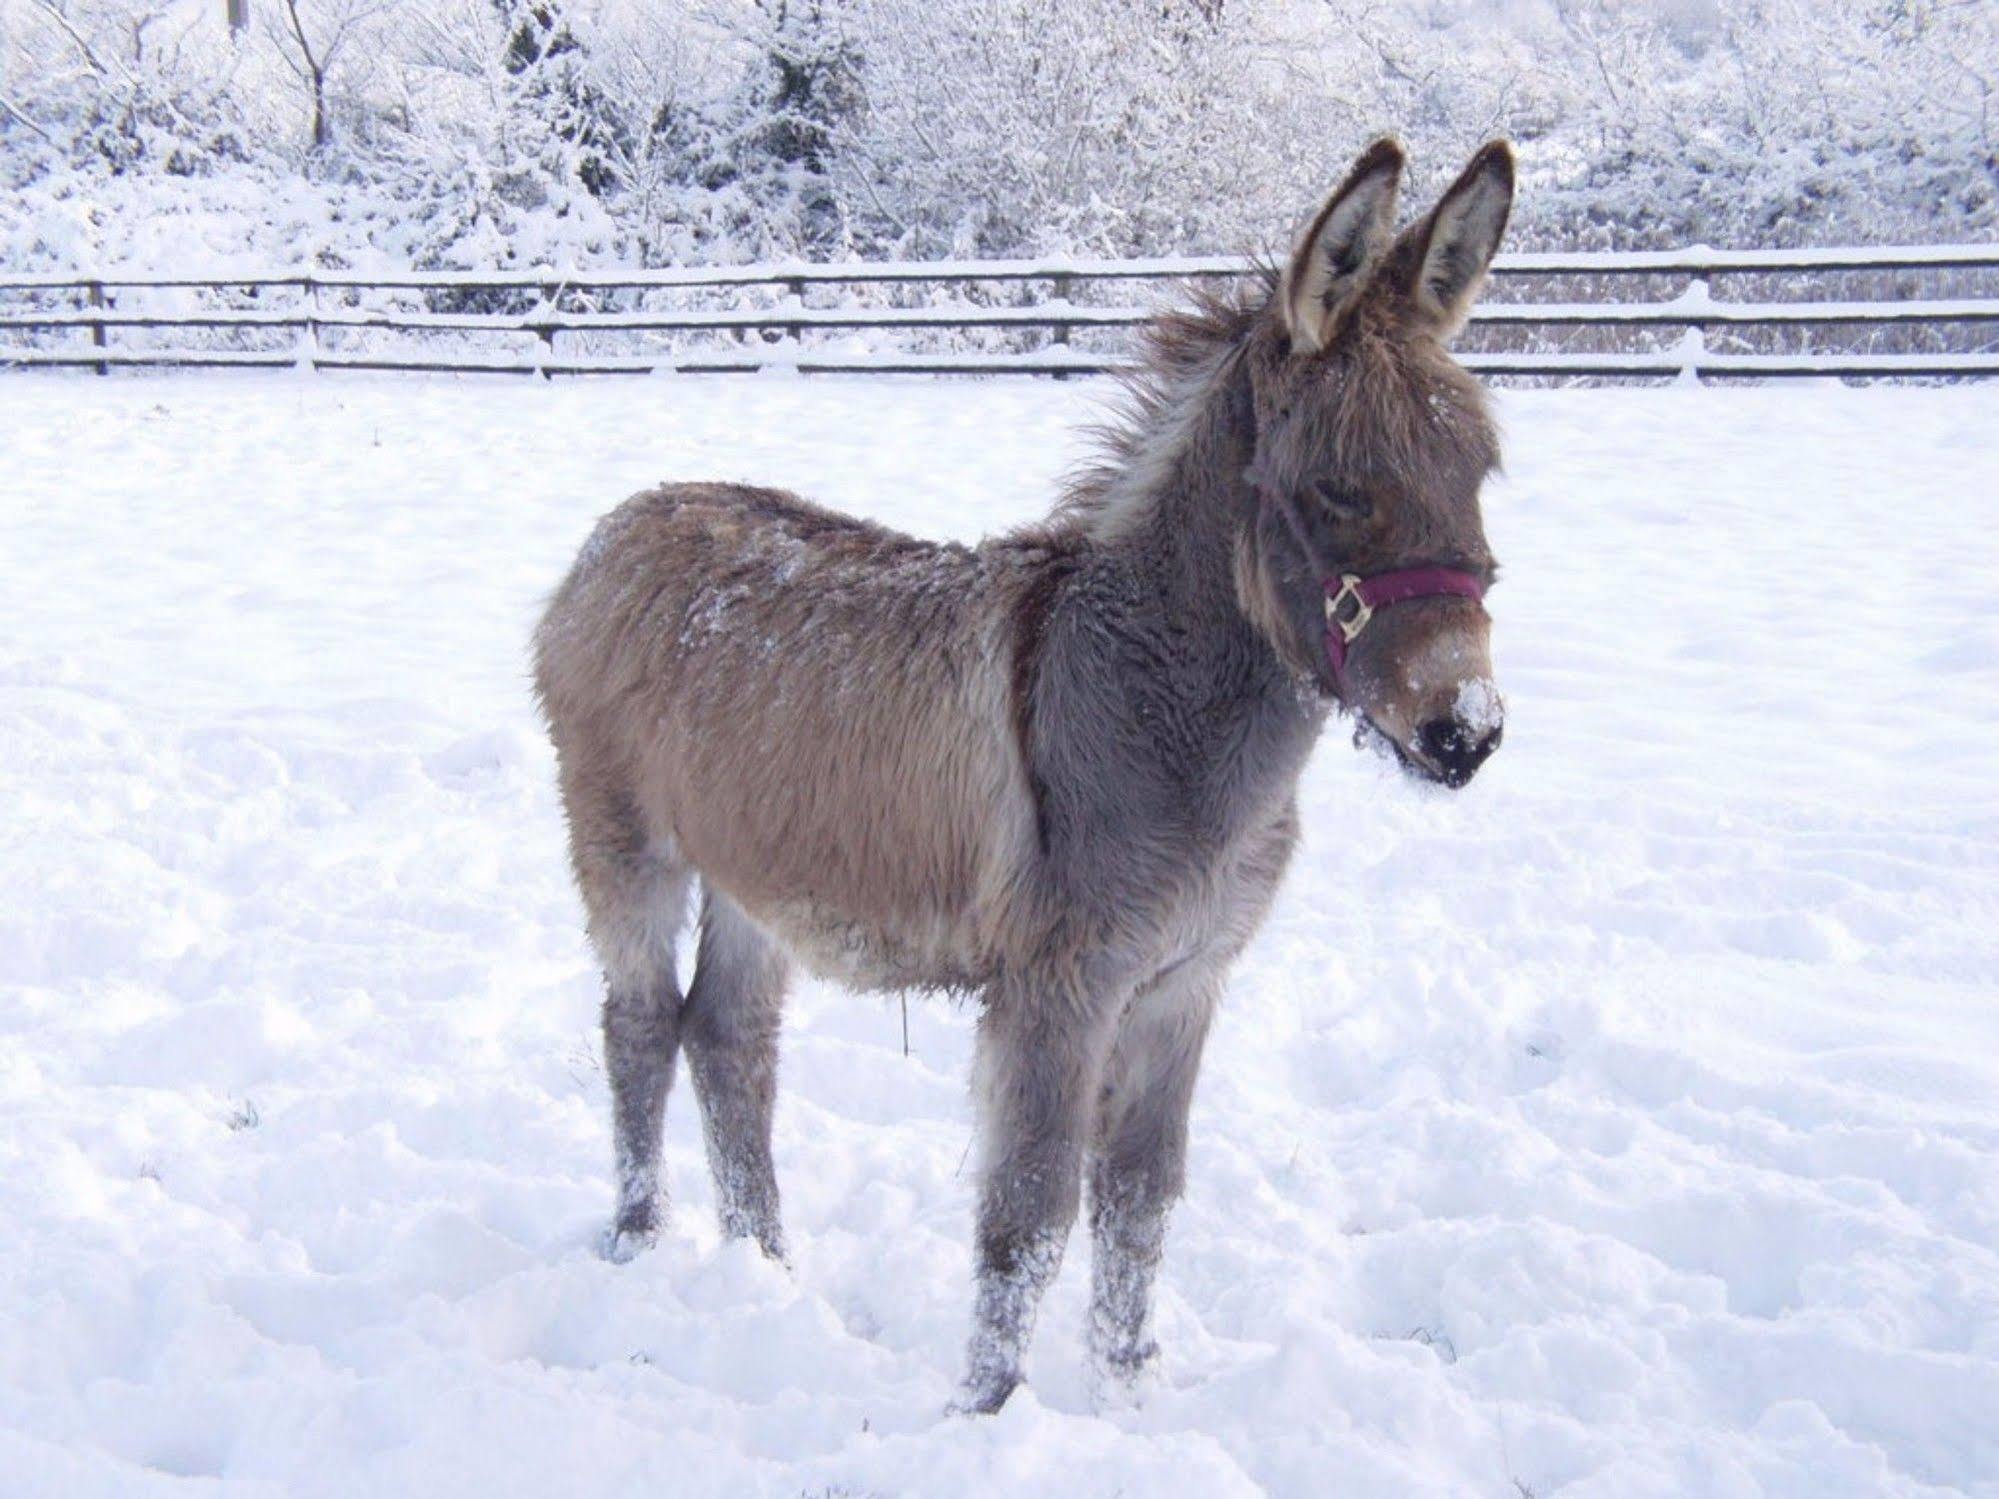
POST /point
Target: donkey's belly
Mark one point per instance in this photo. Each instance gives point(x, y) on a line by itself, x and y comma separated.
point(920, 954)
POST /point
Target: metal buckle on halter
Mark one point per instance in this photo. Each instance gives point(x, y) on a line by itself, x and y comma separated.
point(1351, 626)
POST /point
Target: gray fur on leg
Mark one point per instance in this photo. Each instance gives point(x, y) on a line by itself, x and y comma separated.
point(1036, 1095)
point(1011, 1283)
point(635, 892)
point(730, 1029)
point(1140, 1163)
point(640, 1032)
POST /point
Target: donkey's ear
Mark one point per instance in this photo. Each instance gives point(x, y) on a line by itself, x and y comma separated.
point(1444, 258)
point(1339, 246)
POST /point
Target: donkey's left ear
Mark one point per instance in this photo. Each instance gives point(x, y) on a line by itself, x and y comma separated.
point(1443, 258)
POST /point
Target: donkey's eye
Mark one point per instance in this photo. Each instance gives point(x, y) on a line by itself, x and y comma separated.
point(1345, 504)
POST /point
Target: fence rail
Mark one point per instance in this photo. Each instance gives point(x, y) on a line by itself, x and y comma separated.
point(1648, 314)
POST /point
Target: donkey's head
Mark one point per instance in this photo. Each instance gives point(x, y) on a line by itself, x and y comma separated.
point(1367, 562)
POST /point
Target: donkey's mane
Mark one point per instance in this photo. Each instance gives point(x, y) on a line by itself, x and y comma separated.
point(1181, 354)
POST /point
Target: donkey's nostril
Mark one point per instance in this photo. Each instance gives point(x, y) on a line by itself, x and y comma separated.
point(1456, 748)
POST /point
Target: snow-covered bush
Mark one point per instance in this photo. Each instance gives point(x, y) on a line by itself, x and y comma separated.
point(994, 127)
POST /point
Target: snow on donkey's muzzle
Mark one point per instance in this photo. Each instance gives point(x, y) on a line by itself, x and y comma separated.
point(1456, 749)
point(1454, 744)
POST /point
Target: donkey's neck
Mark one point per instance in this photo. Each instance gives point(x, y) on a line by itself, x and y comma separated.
point(1180, 490)
point(1179, 501)
point(1240, 722)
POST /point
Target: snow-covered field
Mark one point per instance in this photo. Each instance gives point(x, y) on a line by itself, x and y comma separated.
point(1627, 1125)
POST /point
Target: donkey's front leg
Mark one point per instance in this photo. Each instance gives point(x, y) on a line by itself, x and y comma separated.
point(1040, 1062)
point(1139, 1161)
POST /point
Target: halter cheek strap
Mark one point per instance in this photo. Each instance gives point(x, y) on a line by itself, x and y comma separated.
point(1352, 598)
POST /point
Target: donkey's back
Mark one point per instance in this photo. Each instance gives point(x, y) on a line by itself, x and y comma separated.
point(809, 711)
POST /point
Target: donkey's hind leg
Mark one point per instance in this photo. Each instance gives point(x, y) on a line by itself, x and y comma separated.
point(730, 1029)
point(635, 895)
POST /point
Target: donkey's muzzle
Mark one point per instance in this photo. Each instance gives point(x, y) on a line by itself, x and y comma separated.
point(1456, 749)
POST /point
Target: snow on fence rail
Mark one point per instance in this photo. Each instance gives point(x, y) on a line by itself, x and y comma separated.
point(1929, 310)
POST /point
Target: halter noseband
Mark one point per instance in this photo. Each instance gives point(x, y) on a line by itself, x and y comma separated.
point(1377, 591)
point(1351, 598)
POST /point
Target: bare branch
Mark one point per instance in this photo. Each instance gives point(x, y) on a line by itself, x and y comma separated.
point(114, 68)
point(83, 46)
point(16, 111)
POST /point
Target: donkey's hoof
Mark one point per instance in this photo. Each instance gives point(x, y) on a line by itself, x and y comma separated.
point(1122, 1377)
point(983, 1394)
point(625, 1240)
point(1126, 1361)
point(765, 1230)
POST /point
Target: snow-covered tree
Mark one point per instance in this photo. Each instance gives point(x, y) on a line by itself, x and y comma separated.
point(476, 131)
point(554, 96)
point(316, 40)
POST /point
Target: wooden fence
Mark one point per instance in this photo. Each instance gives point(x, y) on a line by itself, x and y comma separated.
point(1919, 311)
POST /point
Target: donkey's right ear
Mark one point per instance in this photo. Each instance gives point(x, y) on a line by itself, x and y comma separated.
point(1339, 246)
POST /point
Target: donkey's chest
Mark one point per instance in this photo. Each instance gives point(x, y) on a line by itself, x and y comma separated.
point(1224, 894)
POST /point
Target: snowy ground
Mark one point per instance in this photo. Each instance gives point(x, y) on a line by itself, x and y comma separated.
point(1627, 1125)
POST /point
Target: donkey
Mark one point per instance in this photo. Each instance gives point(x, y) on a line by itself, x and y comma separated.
point(1056, 771)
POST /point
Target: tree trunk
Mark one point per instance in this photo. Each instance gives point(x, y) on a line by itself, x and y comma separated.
point(239, 16)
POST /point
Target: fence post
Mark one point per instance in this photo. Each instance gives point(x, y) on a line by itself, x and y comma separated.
point(546, 331)
point(1059, 285)
point(795, 290)
point(97, 324)
point(1692, 347)
point(311, 322)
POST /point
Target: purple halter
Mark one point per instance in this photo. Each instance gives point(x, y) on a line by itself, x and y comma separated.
point(1351, 601)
